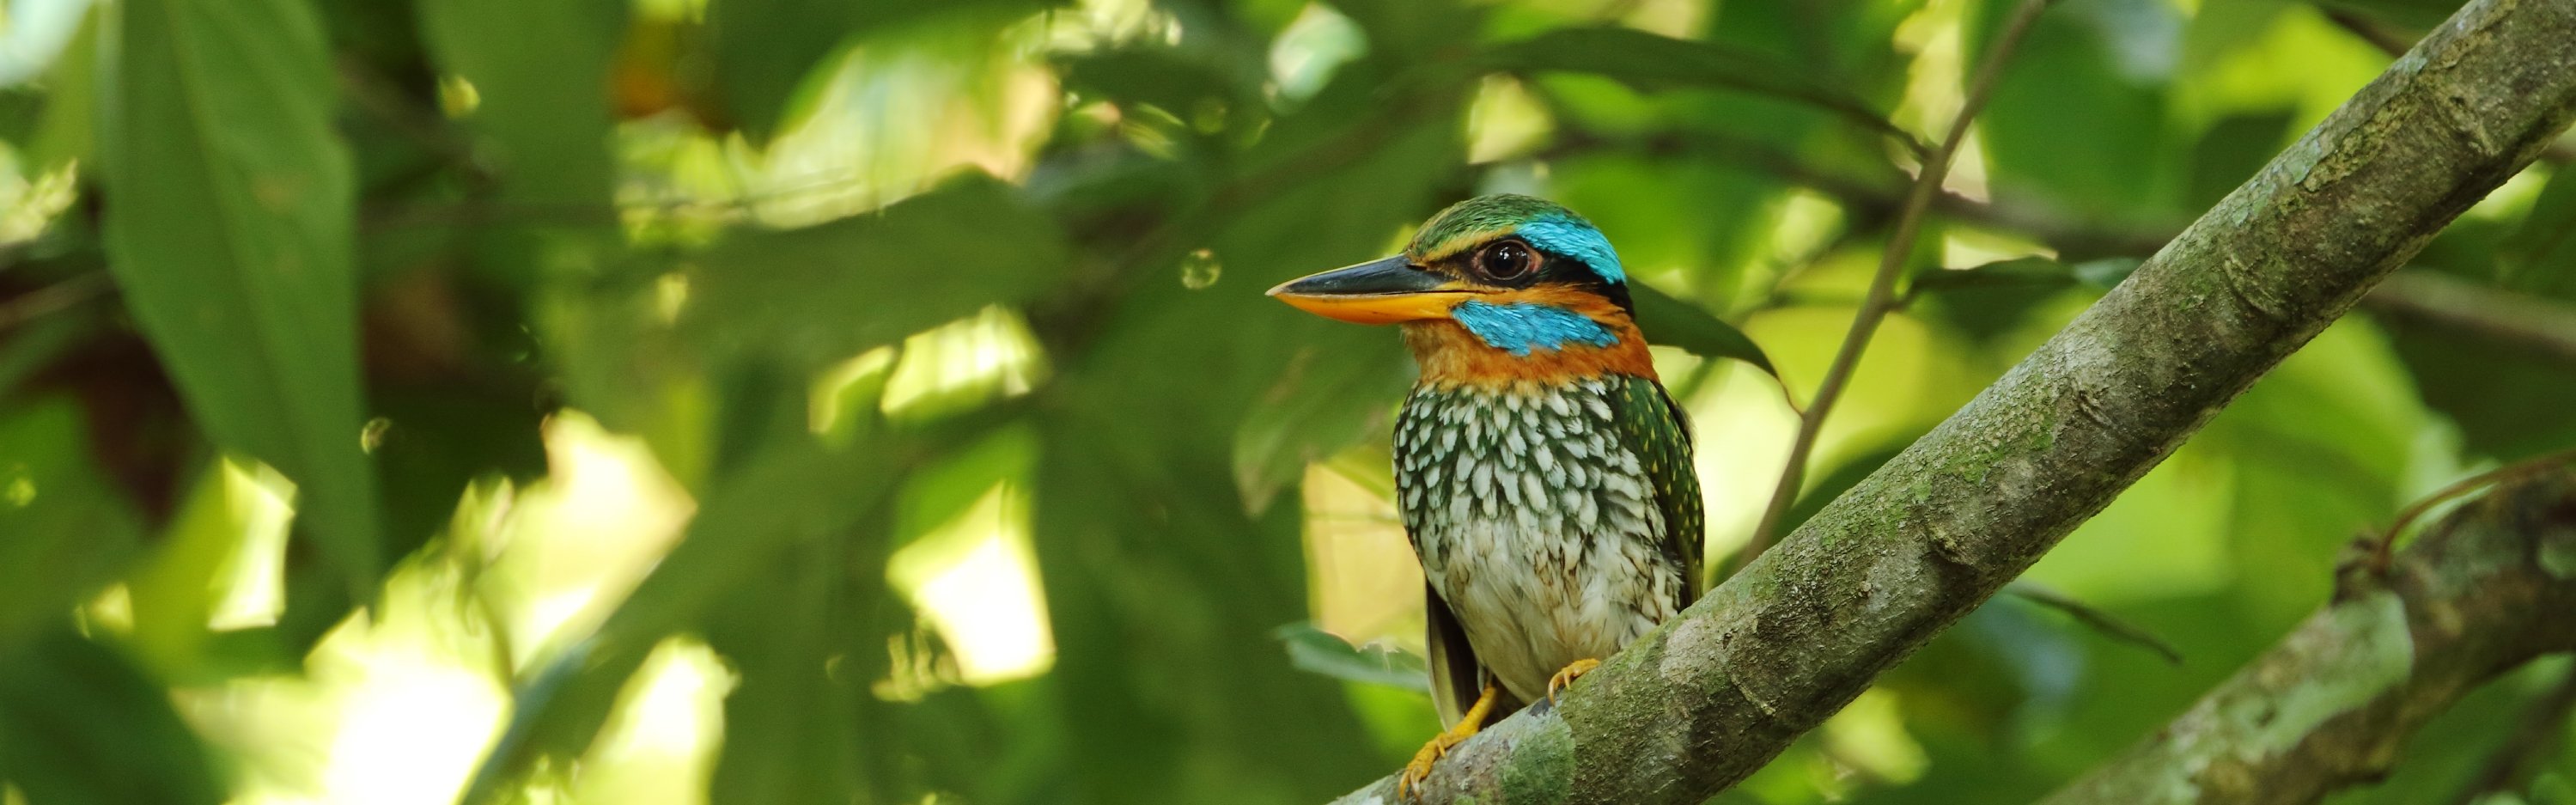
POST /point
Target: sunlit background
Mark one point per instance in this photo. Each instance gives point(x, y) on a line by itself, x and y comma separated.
point(2131, 117)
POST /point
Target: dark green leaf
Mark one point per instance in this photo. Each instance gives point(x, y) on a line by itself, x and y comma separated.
point(2106, 273)
point(2077, 117)
point(429, 442)
point(766, 51)
point(1318, 651)
point(1651, 62)
point(63, 529)
point(1990, 299)
point(940, 491)
point(67, 133)
point(788, 494)
point(792, 722)
point(2540, 255)
point(2025, 271)
point(2231, 151)
point(1324, 402)
point(540, 77)
point(1164, 77)
point(1671, 321)
point(824, 293)
point(230, 235)
point(1139, 529)
point(79, 724)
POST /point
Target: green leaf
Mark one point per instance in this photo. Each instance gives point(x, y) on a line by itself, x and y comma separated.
point(2540, 255)
point(1990, 299)
point(539, 73)
point(786, 495)
point(938, 492)
point(1318, 651)
point(67, 131)
point(431, 441)
point(2078, 116)
point(1651, 62)
point(2024, 271)
point(63, 529)
point(79, 724)
point(1670, 321)
point(792, 722)
point(765, 51)
point(230, 234)
point(824, 293)
point(1327, 399)
point(2232, 150)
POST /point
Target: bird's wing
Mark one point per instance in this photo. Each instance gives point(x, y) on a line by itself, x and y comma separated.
point(1656, 429)
point(1456, 677)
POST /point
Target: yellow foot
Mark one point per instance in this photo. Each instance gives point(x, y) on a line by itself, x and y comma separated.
point(1573, 671)
point(1408, 786)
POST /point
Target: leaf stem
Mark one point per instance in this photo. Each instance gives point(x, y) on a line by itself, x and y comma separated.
point(1882, 287)
point(2382, 551)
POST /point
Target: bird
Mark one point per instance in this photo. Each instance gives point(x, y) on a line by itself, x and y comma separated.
point(1543, 473)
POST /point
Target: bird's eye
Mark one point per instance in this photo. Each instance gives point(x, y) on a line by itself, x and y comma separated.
point(1506, 261)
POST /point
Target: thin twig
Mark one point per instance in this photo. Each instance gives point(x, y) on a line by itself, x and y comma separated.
point(1882, 288)
point(2369, 30)
point(2517, 759)
point(2101, 621)
point(29, 306)
point(2382, 551)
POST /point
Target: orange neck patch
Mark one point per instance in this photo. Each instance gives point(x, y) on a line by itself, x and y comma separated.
point(1452, 356)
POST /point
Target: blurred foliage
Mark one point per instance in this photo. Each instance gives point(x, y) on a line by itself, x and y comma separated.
point(801, 401)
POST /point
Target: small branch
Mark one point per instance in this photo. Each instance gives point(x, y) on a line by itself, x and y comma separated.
point(2382, 548)
point(1882, 287)
point(2101, 621)
point(2332, 704)
point(2518, 758)
point(2530, 323)
point(2369, 30)
point(61, 295)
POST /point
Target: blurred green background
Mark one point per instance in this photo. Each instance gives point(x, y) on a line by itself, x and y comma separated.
point(772, 401)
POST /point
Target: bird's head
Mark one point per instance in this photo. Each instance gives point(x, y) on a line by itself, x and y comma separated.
point(1494, 290)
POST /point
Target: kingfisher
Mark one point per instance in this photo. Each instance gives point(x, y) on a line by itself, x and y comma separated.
point(1543, 472)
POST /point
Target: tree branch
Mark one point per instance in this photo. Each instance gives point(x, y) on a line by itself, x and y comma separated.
point(2332, 704)
point(2535, 325)
point(1713, 694)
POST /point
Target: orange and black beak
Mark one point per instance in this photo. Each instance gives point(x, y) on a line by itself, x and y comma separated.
point(1376, 292)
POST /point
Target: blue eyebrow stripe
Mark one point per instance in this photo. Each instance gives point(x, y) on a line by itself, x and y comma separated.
point(1578, 240)
point(1520, 327)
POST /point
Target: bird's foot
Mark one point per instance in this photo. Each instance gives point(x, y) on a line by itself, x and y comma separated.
point(1408, 786)
point(1573, 671)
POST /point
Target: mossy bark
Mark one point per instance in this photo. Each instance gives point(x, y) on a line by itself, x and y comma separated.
point(1704, 701)
point(2331, 705)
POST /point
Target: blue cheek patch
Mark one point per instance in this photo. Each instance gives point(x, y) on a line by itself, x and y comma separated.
point(1578, 240)
point(1523, 326)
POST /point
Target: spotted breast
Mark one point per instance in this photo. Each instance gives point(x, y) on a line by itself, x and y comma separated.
point(1536, 521)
